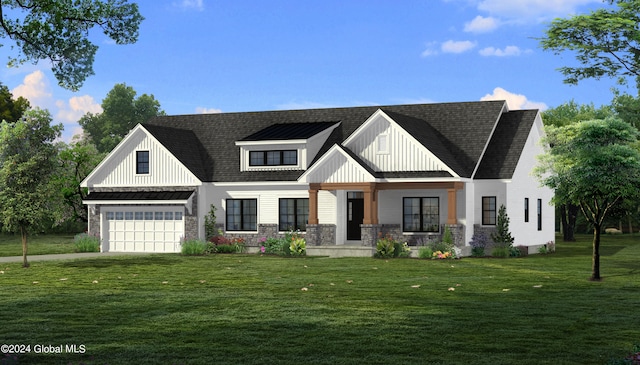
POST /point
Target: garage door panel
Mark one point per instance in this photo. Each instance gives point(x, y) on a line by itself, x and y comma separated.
point(144, 229)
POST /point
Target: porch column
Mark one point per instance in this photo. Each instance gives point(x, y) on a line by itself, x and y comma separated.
point(313, 203)
point(370, 204)
point(452, 216)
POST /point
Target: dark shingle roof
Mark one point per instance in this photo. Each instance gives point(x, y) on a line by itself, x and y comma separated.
point(288, 131)
point(139, 195)
point(455, 132)
point(506, 145)
point(185, 146)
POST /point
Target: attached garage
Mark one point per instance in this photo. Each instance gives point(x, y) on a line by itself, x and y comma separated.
point(152, 222)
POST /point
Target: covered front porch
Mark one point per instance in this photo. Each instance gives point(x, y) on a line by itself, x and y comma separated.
point(360, 223)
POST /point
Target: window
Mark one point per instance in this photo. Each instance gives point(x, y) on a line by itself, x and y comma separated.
point(489, 210)
point(383, 143)
point(273, 158)
point(242, 214)
point(539, 214)
point(526, 210)
point(142, 162)
point(421, 214)
point(294, 214)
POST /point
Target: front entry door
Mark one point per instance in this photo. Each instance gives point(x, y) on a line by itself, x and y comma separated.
point(355, 215)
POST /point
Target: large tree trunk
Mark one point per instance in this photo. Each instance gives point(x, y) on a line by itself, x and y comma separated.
point(595, 272)
point(568, 215)
point(23, 233)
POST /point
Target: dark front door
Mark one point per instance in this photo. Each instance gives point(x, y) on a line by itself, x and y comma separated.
point(355, 215)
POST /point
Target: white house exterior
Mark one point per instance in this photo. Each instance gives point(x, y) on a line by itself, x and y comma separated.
point(344, 176)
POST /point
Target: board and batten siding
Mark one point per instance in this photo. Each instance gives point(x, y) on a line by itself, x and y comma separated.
point(385, 146)
point(337, 168)
point(120, 168)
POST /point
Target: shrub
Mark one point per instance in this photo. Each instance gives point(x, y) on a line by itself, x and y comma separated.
point(298, 246)
point(479, 242)
point(194, 247)
point(401, 249)
point(501, 251)
point(385, 247)
point(425, 252)
point(515, 252)
point(84, 243)
point(210, 229)
point(275, 246)
point(221, 244)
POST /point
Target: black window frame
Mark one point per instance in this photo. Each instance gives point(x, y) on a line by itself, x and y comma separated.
point(539, 214)
point(489, 215)
point(248, 221)
point(431, 228)
point(526, 210)
point(300, 219)
point(265, 158)
point(142, 162)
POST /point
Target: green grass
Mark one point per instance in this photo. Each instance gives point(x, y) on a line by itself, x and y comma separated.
point(250, 309)
point(11, 245)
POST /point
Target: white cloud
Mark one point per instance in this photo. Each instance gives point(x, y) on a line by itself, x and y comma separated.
point(203, 110)
point(431, 49)
point(190, 4)
point(35, 88)
point(481, 24)
point(514, 101)
point(538, 10)
point(76, 107)
point(457, 46)
point(507, 51)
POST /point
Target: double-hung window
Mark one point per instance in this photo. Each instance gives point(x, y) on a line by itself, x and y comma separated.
point(142, 162)
point(421, 214)
point(294, 214)
point(489, 212)
point(242, 214)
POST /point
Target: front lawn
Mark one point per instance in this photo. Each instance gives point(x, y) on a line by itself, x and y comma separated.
point(11, 244)
point(248, 309)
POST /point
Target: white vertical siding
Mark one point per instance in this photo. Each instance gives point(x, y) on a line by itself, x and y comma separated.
point(402, 152)
point(119, 169)
point(524, 185)
point(336, 167)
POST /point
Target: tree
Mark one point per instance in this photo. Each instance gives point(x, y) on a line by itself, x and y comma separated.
point(76, 161)
point(593, 164)
point(58, 31)
point(502, 236)
point(28, 160)
point(11, 110)
point(562, 115)
point(606, 42)
point(121, 112)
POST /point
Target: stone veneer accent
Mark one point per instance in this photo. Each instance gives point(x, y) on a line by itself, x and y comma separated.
point(190, 220)
point(321, 234)
point(371, 233)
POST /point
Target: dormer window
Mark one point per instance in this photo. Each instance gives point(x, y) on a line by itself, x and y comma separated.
point(142, 162)
point(285, 146)
point(273, 158)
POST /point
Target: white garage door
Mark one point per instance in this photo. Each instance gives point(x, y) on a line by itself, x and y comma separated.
point(145, 229)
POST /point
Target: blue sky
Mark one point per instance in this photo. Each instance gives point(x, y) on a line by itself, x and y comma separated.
point(208, 56)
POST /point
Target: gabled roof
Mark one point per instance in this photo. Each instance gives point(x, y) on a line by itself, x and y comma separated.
point(283, 131)
point(185, 146)
point(506, 145)
point(457, 133)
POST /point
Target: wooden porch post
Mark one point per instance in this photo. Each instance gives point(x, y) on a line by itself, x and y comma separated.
point(370, 204)
point(313, 203)
point(452, 216)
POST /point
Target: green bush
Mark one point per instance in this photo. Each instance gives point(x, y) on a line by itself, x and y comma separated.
point(425, 252)
point(85, 243)
point(501, 251)
point(194, 247)
point(276, 246)
point(385, 247)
